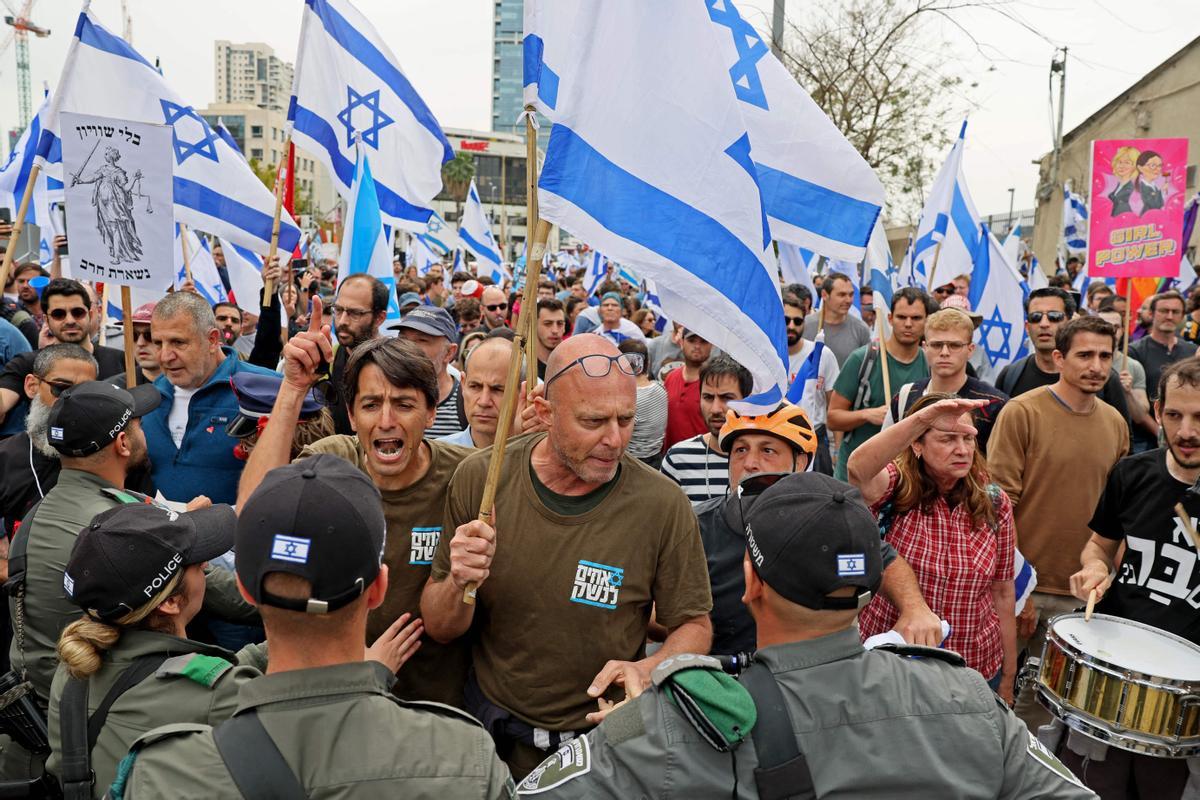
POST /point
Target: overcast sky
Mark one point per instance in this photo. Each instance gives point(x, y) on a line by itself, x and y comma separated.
point(445, 48)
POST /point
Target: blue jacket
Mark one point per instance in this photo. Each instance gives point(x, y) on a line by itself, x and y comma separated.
point(205, 463)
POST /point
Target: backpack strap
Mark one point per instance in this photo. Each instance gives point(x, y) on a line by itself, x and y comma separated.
point(782, 770)
point(254, 761)
point(80, 732)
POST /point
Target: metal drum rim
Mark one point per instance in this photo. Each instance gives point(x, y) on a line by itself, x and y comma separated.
point(1155, 681)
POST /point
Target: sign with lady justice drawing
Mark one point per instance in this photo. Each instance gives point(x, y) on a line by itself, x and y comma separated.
point(119, 193)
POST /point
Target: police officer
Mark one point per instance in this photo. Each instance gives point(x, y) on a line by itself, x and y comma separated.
point(137, 572)
point(95, 426)
point(323, 723)
point(815, 715)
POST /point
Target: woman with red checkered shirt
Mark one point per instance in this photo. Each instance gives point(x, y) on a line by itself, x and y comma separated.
point(928, 483)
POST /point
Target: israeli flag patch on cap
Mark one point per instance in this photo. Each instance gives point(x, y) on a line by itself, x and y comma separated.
point(56, 434)
point(290, 548)
point(69, 584)
point(851, 564)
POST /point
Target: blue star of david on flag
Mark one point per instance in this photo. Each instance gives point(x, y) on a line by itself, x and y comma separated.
point(207, 146)
point(995, 323)
point(750, 49)
point(379, 120)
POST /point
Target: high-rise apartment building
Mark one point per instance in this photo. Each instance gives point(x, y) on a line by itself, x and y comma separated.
point(251, 73)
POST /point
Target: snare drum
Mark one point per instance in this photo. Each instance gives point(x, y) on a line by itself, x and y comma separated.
point(1124, 683)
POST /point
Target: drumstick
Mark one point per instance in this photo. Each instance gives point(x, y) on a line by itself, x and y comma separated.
point(1186, 519)
point(1091, 606)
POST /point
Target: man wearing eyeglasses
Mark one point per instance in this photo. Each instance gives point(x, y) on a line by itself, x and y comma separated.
point(68, 308)
point(585, 542)
point(358, 311)
point(1046, 310)
point(948, 347)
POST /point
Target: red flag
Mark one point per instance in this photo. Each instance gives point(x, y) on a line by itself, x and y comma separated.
point(289, 189)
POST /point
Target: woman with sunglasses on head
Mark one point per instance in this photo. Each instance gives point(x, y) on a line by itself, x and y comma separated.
point(928, 483)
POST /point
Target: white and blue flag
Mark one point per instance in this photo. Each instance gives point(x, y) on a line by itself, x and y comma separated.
point(475, 231)
point(1012, 245)
point(882, 275)
point(1075, 221)
point(650, 161)
point(597, 273)
point(797, 265)
point(423, 257)
point(244, 268)
point(364, 244)
point(935, 218)
point(215, 190)
point(818, 191)
point(348, 81)
point(437, 234)
point(200, 263)
point(14, 177)
point(651, 301)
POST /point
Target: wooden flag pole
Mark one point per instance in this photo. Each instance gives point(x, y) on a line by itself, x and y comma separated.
point(104, 296)
point(1125, 321)
point(820, 321)
point(269, 286)
point(531, 361)
point(536, 233)
point(127, 312)
point(937, 251)
point(18, 225)
point(883, 354)
point(187, 257)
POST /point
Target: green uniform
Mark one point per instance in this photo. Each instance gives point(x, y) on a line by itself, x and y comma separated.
point(196, 683)
point(342, 733)
point(846, 385)
point(871, 724)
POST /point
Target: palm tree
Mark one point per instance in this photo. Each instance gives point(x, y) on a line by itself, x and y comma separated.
point(456, 176)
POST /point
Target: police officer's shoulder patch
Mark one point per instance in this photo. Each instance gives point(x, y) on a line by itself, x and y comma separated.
point(572, 760)
point(203, 669)
point(1042, 755)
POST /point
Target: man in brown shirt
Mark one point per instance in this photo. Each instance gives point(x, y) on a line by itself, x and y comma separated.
point(587, 541)
point(1051, 450)
point(391, 396)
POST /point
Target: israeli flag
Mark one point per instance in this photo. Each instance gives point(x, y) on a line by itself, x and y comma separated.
point(882, 275)
point(597, 272)
point(475, 231)
point(348, 81)
point(437, 234)
point(1037, 279)
point(649, 161)
point(1012, 245)
point(1075, 221)
point(245, 275)
point(364, 245)
point(651, 301)
point(796, 265)
point(14, 177)
point(935, 218)
point(200, 262)
point(499, 273)
point(818, 191)
point(215, 190)
point(424, 258)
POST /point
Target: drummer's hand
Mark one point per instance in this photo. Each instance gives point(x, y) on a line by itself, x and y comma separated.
point(920, 626)
point(1093, 576)
point(1027, 620)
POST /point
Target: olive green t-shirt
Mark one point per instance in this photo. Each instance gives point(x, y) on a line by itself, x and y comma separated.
point(414, 526)
point(568, 593)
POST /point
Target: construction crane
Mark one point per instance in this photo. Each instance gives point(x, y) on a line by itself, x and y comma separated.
point(22, 26)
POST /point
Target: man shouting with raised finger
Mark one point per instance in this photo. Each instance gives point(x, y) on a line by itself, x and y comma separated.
point(586, 542)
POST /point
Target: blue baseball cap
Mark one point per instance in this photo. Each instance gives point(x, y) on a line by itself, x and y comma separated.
point(409, 298)
point(256, 395)
point(432, 320)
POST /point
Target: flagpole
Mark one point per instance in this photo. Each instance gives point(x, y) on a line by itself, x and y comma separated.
point(937, 251)
point(104, 295)
point(127, 312)
point(18, 225)
point(883, 353)
point(536, 233)
point(269, 286)
point(1125, 320)
point(187, 258)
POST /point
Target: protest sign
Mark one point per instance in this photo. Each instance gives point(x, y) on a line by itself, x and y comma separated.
point(1136, 222)
point(119, 197)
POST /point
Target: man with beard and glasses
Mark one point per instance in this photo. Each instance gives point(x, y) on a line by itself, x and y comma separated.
point(586, 541)
point(68, 309)
point(358, 310)
point(821, 372)
point(1156, 579)
point(1051, 450)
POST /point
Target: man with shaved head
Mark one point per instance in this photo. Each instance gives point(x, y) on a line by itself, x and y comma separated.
point(585, 542)
point(484, 375)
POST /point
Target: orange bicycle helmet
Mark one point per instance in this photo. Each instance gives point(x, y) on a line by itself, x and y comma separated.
point(788, 422)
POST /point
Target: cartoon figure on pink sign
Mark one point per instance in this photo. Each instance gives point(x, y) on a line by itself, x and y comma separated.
point(1136, 219)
